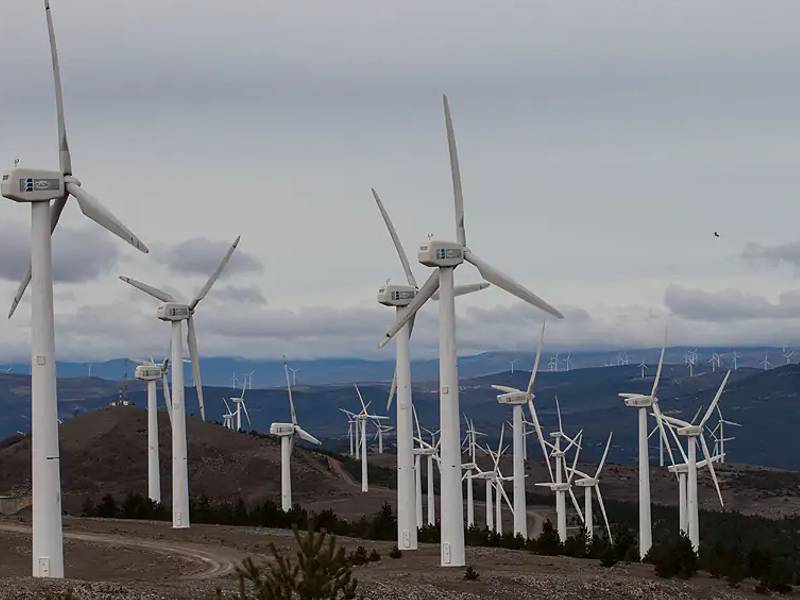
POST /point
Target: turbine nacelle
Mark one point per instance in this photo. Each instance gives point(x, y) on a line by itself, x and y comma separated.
point(690, 430)
point(396, 295)
point(437, 253)
point(173, 311)
point(32, 185)
point(281, 429)
point(515, 398)
point(585, 482)
point(638, 400)
point(485, 475)
point(148, 372)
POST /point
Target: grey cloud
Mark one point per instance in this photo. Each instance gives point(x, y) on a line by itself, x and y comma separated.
point(773, 256)
point(240, 294)
point(79, 255)
point(729, 305)
point(200, 256)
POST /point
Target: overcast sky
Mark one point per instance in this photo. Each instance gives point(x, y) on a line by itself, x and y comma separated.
point(601, 146)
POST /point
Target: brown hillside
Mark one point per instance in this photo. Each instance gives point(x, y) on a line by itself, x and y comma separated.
point(105, 452)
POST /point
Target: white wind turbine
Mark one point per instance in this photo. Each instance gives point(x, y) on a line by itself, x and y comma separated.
point(643, 366)
point(287, 431)
point(150, 372)
point(765, 363)
point(400, 296)
point(241, 407)
point(694, 432)
point(682, 471)
point(736, 356)
point(430, 452)
point(361, 425)
point(557, 485)
point(517, 399)
point(445, 256)
point(381, 429)
point(642, 402)
point(497, 479)
point(470, 441)
point(175, 312)
point(589, 483)
point(718, 434)
point(38, 187)
point(787, 354)
point(714, 361)
point(227, 417)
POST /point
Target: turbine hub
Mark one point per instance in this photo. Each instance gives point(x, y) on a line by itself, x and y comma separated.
point(173, 311)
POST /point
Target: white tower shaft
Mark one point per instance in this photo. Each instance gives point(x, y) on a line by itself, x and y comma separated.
point(561, 500)
point(180, 467)
point(153, 478)
point(431, 492)
point(645, 527)
point(406, 521)
point(520, 509)
point(587, 512)
point(358, 439)
point(418, 488)
point(452, 507)
point(364, 470)
point(470, 501)
point(691, 499)
point(682, 503)
point(286, 473)
point(48, 544)
point(489, 509)
point(498, 507)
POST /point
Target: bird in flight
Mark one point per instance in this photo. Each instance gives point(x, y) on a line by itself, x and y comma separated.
point(716, 234)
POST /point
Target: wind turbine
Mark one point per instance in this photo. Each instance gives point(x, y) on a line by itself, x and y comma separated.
point(361, 419)
point(787, 354)
point(294, 375)
point(589, 483)
point(714, 361)
point(642, 402)
point(736, 356)
point(558, 485)
point(470, 440)
point(517, 399)
point(718, 434)
point(241, 407)
point(381, 429)
point(445, 256)
point(682, 470)
point(765, 363)
point(430, 452)
point(694, 432)
point(513, 362)
point(175, 312)
point(227, 417)
point(400, 296)
point(643, 366)
point(150, 373)
point(38, 187)
point(287, 431)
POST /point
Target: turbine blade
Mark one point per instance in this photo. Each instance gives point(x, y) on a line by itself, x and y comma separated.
point(392, 391)
point(713, 404)
point(605, 454)
point(55, 214)
point(455, 172)
point(603, 511)
point(194, 355)
point(660, 422)
point(64, 159)
point(538, 428)
point(289, 389)
point(558, 411)
point(304, 435)
point(463, 290)
point(576, 505)
point(423, 295)
point(503, 281)
point(538, 359)
point(505, 389)
point(148, 289)
point(677, 441)
point(167, 396)
point(363, 406)
point(505, 496)
point(215, 275)
point(246, 414)
point(660, 365)
point(399, 246)
point(98, 213)
point(710, 464)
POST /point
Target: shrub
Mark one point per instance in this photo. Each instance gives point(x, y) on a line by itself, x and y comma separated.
point(395, 552)
point(548, 542)
point(320, 572)
point(675, 556)
point(471, 574)
point(374, 556)
point(359, 557)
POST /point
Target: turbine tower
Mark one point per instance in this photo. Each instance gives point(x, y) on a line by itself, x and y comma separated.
point(172, 311)
point(150, 373)
point(38, 187)
point(517, 399)
point(399, 296)
point(694, 432)
point(445, 256)
point(286, 432)
point(642, 402)
point(361, 426)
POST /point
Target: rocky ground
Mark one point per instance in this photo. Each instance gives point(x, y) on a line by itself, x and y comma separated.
point(109, 560)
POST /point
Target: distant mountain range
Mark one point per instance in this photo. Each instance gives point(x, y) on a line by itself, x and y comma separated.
point(766, 403)
point(219, 371)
